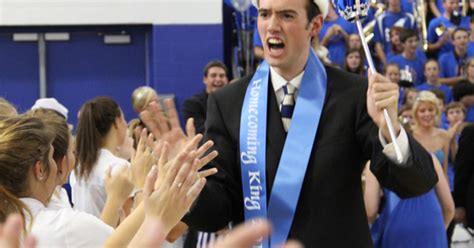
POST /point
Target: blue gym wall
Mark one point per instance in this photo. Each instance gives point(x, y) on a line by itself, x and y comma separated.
point(84, 66)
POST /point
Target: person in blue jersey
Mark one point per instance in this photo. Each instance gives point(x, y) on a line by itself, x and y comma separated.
point(411, 67)
point(334, 36)
point(396, 47)
point(433, 82)
point(436, 7)
point(452, 63)
point(464, 90)
point(393, 16)
point(440, 27)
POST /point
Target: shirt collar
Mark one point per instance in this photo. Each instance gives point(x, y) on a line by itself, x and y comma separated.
point(34, 205)
point(278, 81)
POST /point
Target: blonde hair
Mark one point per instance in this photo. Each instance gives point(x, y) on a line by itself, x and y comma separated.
point(427, 97)
point(142, 96)
point(6, 109)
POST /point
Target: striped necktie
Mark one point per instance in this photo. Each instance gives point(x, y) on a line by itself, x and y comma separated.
point(287, 105)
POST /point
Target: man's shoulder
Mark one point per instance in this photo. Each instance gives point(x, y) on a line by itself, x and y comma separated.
point(340, 80)
point(199, 97)
point(237, 88)
point(469, 131)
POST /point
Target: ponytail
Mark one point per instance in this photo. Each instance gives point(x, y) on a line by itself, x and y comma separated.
point(96, 118)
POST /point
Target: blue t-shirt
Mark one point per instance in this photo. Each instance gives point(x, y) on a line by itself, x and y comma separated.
point(470, 114)
point(419, 54)
point(337, 44)
point(448, 93)
point(450, 65)
point(414, 67)
point(407, 6)
point(443, 21)
point(386, 21)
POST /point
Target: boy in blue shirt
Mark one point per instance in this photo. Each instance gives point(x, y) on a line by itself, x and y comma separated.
point(334, 36)
point(432, 81)
point(411, 67)
point(451, 63)
point(446, 22)
point(393, 16)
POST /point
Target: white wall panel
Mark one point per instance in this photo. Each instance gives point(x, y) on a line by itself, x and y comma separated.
point(84, 12)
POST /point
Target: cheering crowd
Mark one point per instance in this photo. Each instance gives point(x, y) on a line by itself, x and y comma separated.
point(149, 182)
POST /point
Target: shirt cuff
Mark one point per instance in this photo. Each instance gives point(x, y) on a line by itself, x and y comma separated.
point(389, 149)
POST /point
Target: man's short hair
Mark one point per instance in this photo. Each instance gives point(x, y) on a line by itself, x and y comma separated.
point(454, 105)
point(459, 29)
point(405, 34)
point(215, 63)
point(312, 10)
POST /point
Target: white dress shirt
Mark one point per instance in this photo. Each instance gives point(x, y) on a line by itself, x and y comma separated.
point(65, 227)
point(89, 195)
point(278, 82)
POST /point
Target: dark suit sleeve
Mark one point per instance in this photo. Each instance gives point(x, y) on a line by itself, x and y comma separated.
point(464, 166)
point(214, 208)
point(414, 178)
point(193, 109)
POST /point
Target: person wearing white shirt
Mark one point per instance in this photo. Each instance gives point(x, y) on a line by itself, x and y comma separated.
point(100, 131)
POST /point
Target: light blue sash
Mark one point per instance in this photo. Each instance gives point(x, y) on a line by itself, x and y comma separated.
point(296, 152)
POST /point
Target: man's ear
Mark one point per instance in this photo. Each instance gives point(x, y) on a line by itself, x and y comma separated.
point(316, 25)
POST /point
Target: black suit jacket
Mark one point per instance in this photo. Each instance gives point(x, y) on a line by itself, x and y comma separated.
point(330, 211)
point(196, 107)
point(464, 176)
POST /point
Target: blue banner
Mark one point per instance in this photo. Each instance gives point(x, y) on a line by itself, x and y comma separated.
point(296, 152)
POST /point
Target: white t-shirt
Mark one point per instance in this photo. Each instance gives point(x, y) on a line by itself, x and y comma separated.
point(65, 227)
point(89, 195)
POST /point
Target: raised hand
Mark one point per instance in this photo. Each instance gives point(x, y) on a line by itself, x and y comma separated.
point(381, 94)
point(118, 186)
point(11, 232)
point(143, 159)
point(179, 186)
point(165, 125)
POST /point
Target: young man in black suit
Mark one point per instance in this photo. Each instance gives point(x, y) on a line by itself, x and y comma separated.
point(328, 210)
point(215, 77)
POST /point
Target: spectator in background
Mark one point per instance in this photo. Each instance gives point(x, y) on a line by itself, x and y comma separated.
point(142, 96)
point(393, 16)
point(409, 97)
point(433, 82)
point(353, 62)
point(334, 36)
point(439, 28)
point(464, 90)
point(411, 67)
point(452, 63)
point(396, 47)
point(215, 77)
